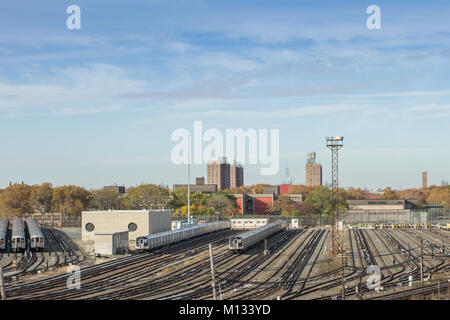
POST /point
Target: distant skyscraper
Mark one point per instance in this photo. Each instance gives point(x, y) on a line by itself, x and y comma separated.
point(313, 170)
point(236, 175)
point(424, 180)
point(288, 177)
point(218, 173)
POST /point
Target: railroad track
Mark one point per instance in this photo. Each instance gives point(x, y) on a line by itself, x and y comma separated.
point(233, 275)
point(97, 276)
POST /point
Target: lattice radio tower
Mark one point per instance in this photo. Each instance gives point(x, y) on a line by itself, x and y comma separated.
point(334, 144)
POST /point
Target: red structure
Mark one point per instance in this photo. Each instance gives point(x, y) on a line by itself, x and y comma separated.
point(254, 203)
point(261, 205)
point(286, 188)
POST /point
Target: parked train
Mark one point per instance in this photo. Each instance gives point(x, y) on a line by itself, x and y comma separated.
point(36, 236)
point(245, 240)
point(4, 224)
point(157, 240)
point(18, 235)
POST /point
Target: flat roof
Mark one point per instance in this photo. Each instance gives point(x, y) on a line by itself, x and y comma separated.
point(377, 201)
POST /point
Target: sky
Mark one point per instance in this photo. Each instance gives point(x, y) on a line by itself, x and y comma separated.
point(98, 105)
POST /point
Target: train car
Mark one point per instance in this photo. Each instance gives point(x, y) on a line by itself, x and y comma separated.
point(18, 235)
point(37, 241)
point(4, 224)
point(162, 239)
point(245, 240)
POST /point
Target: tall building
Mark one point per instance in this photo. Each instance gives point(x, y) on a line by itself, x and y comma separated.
point(424, 180)
point(236, 175)
point(218, 173)
point(313, 170)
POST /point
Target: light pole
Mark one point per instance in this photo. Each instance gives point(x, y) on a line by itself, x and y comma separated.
point(189, 180)
point(334, 144)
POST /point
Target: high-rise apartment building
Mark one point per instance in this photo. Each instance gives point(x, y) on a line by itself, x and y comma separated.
point(424, 180)
point(236, 175)
point(313, 170)
point(218, 173)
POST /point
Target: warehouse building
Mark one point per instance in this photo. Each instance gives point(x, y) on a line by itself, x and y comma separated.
point(137, 222)
point(397, 204)
point(199, 186)
point(384, 211)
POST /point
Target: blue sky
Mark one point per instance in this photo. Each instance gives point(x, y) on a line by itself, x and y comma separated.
point(98, 105)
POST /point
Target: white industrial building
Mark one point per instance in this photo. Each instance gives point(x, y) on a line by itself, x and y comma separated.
point(137, 222)
point(110, 243)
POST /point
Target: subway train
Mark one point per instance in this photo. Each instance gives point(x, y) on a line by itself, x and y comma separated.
point(162, 239)
point(37, 241)
point(18, 235)
point(4, 224)
point(247, 239)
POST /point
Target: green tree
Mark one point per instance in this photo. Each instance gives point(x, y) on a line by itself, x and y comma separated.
point(146, 196)
point(106, 199)
point(321, 199)
point(221, 204)
point(180, 199)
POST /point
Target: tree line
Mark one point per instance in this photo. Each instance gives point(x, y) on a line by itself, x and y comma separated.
point(23, 199)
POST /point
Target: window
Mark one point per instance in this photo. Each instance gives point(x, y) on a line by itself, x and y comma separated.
point(89, 227)
point(132, 226)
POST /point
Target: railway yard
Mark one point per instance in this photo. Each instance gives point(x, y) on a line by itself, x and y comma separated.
point(60, 250)
point(296, 265)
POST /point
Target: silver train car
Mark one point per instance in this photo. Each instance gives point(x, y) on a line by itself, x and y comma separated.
point(18, 235)
point(37, 241)
point(247, 239)
point(4, 224)
point(162, 239)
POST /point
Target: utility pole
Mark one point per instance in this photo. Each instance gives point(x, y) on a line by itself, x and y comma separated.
point(421, 262)
point(2, 285)
point(213, 282)
point(342, 276)
point(189, 179)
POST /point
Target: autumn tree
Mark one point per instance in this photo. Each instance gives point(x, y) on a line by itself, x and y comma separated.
point(283, 205)
point(70, 200)
point(302, 189)
point(15, 200)
point(41, 198)
point(353, 193)
point(388, 193)
point(106, 199)
point(440, 196)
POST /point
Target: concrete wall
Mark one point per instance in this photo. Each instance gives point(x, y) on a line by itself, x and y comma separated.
point(110, 243)
point(147, 222)
point(160, 221)
point(376, 216)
